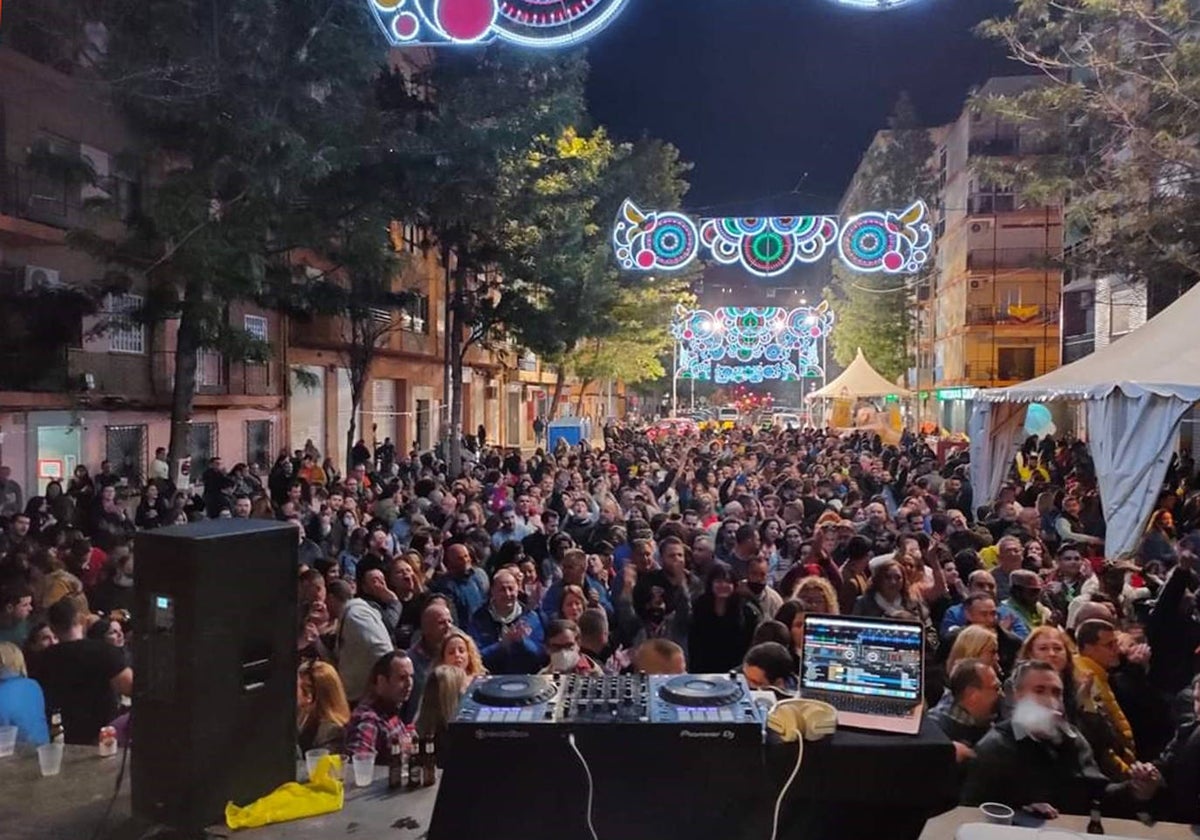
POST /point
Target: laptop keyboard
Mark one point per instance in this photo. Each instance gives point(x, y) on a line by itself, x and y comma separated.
point(863, 705)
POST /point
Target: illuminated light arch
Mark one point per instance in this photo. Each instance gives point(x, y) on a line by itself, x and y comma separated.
point(529, 23)
point(875, 5)
point(895, 243)
point(735, 344)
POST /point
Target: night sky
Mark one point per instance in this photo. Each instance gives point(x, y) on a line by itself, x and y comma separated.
point(774, 101)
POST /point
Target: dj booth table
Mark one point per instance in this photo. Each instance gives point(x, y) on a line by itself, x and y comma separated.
point(860, 784)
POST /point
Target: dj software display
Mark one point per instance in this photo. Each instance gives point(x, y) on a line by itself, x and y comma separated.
point(514, 758)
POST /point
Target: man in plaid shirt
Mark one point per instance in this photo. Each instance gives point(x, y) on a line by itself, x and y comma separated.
point(378, 719)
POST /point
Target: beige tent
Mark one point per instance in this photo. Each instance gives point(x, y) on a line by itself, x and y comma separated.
point(858, 381)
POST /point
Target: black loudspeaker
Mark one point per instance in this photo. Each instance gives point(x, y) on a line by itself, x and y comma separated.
point(214, 692)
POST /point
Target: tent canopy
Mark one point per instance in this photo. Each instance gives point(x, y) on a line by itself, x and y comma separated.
point(1161, 357)
point(859, 380)
point(1134, 393)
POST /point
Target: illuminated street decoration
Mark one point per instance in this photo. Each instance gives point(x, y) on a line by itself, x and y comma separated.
point(751, 344)
point(894, 243)
point(874, 5)
point(890, 242)
point(530, 23)
point(768, 246)
point(646, 242)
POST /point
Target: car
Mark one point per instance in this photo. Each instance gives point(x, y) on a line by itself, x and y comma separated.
point(786, 420)
point(727, 417)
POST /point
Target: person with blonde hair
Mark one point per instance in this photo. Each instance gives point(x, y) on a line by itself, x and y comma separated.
point(22, 703)
point(439, 703)
point(322, 710)
point(974, 642)
point(459, 649)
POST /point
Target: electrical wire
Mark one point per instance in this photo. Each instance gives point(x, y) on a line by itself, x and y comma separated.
point(787, 786)
point(590, 788)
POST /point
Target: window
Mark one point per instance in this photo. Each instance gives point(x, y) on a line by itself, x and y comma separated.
point(415, 317)
point(125, 449)
point(204, 446)
point(1015, 363)
point(210, 371)
point(993, 198)
point(256, 326)
point(124, 335)
point(381, 315)
point(258, 443)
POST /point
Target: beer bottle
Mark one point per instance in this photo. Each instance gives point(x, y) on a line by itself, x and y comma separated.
point(397, 763)
point(56, 727)
point(429, 763)
point(1094, 825)
point(416, 770)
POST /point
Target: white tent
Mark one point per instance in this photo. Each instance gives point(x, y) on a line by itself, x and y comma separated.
point(1135, 392)
point(858, 380)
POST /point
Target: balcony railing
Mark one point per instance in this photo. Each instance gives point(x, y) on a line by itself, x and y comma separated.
point(55, 200)
point(995, 147)
point(217, 375)
point(1019, 315)
point(990, 259)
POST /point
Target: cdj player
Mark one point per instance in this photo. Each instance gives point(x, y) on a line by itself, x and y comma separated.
point(644, 747)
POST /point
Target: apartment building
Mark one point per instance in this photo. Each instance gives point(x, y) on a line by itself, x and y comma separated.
point(70, 392)
point(993, 303)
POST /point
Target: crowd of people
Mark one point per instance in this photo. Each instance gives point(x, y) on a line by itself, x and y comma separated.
point(1062, 676)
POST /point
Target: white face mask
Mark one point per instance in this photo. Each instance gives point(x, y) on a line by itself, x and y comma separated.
point(1039, 721)
point(564, 660)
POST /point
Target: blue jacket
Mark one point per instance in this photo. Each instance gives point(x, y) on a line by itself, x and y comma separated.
point(525, 657)
point(955, 617)
point(466, 594)
point(23, 705)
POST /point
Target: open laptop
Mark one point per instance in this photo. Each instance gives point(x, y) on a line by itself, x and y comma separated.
point(869, 669)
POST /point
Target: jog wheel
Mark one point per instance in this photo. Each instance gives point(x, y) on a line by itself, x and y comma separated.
point(517, 690)
point(694, 690)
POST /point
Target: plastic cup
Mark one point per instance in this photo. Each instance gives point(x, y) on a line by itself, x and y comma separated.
point(50, 759)
point(8, 740)
point(364, 768)
point(312, 758)
point(997, 813)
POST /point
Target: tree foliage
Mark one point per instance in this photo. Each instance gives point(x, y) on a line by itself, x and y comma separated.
point(1116, 123)
point(873, 310)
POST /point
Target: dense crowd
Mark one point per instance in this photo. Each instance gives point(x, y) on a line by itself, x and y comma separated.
point(1064, 677)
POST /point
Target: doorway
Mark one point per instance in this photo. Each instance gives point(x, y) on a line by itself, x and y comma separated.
point(58, 453)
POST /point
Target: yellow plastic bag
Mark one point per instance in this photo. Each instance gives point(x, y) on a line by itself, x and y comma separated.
point(323, 794)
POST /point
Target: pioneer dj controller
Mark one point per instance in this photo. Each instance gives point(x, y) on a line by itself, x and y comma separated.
point(622, 699)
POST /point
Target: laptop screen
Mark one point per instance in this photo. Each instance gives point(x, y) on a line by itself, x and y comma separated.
point(868, 657)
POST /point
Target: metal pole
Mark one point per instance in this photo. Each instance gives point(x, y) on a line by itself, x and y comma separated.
point(674, 377)
point(693, 398)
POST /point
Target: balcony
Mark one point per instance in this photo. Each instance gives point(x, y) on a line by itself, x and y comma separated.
point(994, 147)
point(38, 371)
point(38, 209)
point(1013, 315)
point(992, 259)
point(216, 375)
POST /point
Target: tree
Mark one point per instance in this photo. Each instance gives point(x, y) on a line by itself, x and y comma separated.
point(240, 110)
point(1115, 124)
point(872, 309)
point(569, 297)
point(487, 107)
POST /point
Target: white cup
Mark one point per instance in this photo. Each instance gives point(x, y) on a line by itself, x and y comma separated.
point(50, 758)
point(312, 758)
point(8, 740)
point(364, 768)
point(997, 813)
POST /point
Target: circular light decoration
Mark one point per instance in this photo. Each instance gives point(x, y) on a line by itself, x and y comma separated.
point(874, 5)
point(530, 23)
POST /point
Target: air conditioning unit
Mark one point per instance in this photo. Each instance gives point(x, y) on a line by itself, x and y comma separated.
point(37, 277)
point(981, 227)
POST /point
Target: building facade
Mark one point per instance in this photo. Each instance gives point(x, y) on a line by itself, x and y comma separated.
point(74, 388)
point(992, 307)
